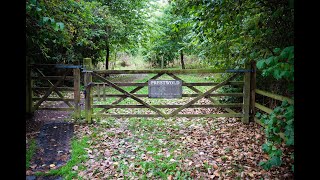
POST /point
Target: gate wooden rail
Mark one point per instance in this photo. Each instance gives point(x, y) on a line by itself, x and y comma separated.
point(98, 74)
point(54, 84)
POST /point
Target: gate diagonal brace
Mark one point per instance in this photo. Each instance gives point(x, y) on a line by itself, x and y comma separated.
point(56, 91)
point(190, 87)
point(131, 95)
point(132, 91)
point(51, 89)
point(203, 95)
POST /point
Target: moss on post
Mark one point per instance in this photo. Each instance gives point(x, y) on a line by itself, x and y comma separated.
point(88, 97)
point(87, 63)
point(253, 90)
point(76, 83)
point(246, 96)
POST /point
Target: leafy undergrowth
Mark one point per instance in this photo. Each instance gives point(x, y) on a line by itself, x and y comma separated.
point(181, 148)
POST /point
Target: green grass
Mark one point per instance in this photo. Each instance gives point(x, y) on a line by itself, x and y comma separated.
point(78, 155)
point(30, 152)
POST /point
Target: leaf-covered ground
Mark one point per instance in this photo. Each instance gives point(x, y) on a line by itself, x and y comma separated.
point(180, 148)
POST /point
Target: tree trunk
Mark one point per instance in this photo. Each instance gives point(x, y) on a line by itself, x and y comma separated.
point(107, 58)
point(182, 61)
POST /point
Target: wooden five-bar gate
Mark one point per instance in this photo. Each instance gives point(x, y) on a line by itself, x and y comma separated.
point(55, 83)
point(99, 75)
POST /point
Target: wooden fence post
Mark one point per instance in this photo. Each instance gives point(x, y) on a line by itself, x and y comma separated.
point(76, 95)
point(246, 95)
point(87, 65)
point(29, 94)
point(88, 96)
point(253, 90)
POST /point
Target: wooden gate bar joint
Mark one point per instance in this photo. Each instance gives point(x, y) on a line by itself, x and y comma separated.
point(133, 91)
point(50, 90)
point(204, 94)
point(131, 95)
point(55, 90)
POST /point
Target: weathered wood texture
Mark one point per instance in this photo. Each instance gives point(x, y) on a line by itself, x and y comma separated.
point(252, 91)
point(88, 97)
point(156, 71)
point(178, 115)
point(190, 87)
point(56, 109)
point(246, 96)
point(263, 108)
point(203, 95)
point(52, 77)
point(58, 88)
point(177, 78)
point(183, 95)
point(123, 97)
point(87, 65)
point(274, 96)
point(36, 106)
point(171, 106)
point(55, 90)
point(76, 93)
point(54, 99)
point(130, 95)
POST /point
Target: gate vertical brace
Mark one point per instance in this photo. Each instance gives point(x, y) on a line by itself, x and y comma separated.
point(87, 65)
point(253, 90)
point(88, 96)
point(246, 96)
point(29, 94)
point(76, 95)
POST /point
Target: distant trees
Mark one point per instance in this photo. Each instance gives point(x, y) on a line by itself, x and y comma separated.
point(67, 31)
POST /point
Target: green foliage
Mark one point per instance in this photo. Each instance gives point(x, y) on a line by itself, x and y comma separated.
point(279, 121)
point(67, 31)
point(236, 31)
point(280, 65)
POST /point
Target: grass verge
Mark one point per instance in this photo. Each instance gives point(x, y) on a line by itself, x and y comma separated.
point(30, 152)
point(78, 155)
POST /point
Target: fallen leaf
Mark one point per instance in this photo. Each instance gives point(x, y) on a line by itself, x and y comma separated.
point(170, 177)
point(215, 166)
point(216, 173)
point(29, 172)
point(75, 168)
